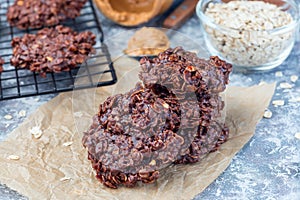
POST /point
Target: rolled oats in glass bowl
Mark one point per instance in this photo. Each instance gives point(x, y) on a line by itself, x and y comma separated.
point(252, 35)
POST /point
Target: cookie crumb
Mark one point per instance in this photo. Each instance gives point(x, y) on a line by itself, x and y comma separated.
point(268, 114)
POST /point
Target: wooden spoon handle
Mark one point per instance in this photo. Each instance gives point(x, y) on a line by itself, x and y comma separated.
point(180, 14)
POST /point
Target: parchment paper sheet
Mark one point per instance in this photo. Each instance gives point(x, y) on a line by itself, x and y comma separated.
point(45, 162)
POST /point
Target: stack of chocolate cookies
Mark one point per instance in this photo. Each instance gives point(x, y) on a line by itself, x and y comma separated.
point(172, 117)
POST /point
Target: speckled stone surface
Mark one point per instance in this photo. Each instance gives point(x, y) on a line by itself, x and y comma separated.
point(268, 167)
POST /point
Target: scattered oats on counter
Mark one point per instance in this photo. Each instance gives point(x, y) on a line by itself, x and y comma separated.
point(78, 192)
point(36, 132)
point(22, 113)
point(294, 78)
point(268, 114)
point(278, 102)
point(262, 83)
point(297, 135)
point(278, 74)
point(152, 163)
point(13, 157)
point(8, 117)
point(65, 179)
point(294, 99)
point(247, 42)
point(65, 129)
point(66, 144)
point(78, 114)
point(285, 85)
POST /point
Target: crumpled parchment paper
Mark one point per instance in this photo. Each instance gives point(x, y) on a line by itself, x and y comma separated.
point(55, 166)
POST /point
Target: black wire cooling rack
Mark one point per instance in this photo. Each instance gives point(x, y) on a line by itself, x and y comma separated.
point(16, 83)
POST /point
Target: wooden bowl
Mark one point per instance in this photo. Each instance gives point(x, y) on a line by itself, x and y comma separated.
point(132, 12)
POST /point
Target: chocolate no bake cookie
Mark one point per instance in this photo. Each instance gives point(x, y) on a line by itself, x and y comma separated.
point(162, 122)
point(136, 135)
point(133, 137)
point(184, 73)
point(208, 139)
point(52, 50)
point(38, 13)
point(1, 65)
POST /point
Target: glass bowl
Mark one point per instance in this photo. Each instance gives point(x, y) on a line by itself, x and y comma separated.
point(250, 50)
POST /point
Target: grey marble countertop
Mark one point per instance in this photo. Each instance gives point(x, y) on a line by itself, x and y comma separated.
point(268, 167)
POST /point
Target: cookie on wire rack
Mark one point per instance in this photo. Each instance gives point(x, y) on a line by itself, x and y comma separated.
point(52, 50)
point(38, 13)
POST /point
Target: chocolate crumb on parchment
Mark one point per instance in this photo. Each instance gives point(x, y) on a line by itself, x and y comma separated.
point(39, 13)
point(136, 135)
point(52, 50)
